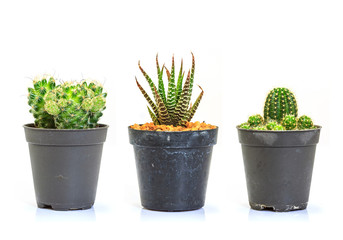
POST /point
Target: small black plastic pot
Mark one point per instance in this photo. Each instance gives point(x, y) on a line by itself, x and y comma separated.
point(65, 165)
point(173, 167)
point(278, 167)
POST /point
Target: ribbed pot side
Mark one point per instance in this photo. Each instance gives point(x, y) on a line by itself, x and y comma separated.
point(173, 167)
point(65, 165)
point(278, 167)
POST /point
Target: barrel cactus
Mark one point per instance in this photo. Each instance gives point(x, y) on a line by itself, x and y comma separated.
point(172, 104)
point(70, 105)
point(280, 102)
point(280, 114)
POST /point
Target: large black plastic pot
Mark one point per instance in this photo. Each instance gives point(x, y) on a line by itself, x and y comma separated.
point(173, 167)
point(278, 167)
point(65, 165)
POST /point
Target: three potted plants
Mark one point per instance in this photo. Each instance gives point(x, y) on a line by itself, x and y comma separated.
point(65, 142)
point(172, 154)
point(278, 152)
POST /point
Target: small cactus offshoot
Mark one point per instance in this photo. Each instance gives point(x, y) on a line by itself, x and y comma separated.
point(70, 105)
point(255, 120)
point(305, 122)
point(289, 122)
point(278, 128)
point(172, 105)
point(280, 114)
point(271, 125)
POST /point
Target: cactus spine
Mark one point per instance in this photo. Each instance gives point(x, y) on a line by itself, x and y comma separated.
point(279, 102)
point(70, 105)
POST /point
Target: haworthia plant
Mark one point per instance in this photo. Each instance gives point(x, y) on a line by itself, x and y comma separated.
point(70, 105)
point(171, 107)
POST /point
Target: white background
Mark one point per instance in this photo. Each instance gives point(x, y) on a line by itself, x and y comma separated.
point(242, 50)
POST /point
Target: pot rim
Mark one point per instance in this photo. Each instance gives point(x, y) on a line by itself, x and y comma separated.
point(32, 127)
point(282, 131)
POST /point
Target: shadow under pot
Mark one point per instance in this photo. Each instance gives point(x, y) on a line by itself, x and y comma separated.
point(65, 165)
point(278, 167)
point(173, 167)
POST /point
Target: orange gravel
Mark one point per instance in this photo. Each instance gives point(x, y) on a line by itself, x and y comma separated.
point(190, 126)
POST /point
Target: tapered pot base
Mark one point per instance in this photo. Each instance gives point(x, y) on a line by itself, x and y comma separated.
point(65, 207)
point(278, 208)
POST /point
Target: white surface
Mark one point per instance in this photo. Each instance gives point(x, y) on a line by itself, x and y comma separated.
point(242, 50)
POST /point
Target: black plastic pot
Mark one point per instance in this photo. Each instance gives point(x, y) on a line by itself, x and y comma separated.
point(173, 167)
point(278, 167)
point(65, 165)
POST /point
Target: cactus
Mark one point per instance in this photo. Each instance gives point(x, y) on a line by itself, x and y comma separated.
point(171, 107)
point(255, 120)
point(261, 127)
point(278, 127)
point(245, 126)
point(289, 122)
point(271, 125)
point(280, 102)
point(42, 86)
point(305, 122)
point(70, 105)
point(280, 113)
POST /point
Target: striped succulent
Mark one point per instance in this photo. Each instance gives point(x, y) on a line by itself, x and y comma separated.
point(171, 107)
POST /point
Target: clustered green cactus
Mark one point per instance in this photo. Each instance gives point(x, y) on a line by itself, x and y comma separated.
point(280, 113)
point(70, 105)
point(171, 107)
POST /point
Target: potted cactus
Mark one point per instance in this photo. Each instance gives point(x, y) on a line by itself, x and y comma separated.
point(65, 141)
point(172, 154)
point(278, 152)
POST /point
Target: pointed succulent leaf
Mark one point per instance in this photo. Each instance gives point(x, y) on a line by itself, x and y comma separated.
point(182, 105)
point(163, 115)
point(161, 90)
point(151, 83)
point(195, 106)
point(179, 82)
point(171, 101)
point(153, 117)
point(146, 96)
point(192, 76)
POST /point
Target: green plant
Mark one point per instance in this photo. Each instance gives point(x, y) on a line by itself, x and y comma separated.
point(70, 105)
point(280, 102)
point(172, 107)
point(255, 120)
point(278, 127)
point(271, 125)
point(280, 113)
point(289, 122)
point(305, 122)
point(245, 126)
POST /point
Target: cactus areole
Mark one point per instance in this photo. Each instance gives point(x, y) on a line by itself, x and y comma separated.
point(70, 105)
